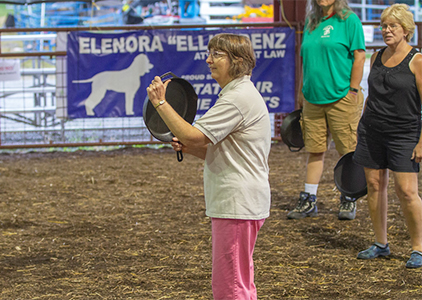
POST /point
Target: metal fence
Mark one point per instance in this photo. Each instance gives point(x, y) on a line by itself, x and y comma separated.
point(30, 113)
point(30, 108)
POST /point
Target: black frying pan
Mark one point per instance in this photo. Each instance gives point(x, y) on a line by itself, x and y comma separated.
point(291, 132)
point(182, 97)
point(349, 177)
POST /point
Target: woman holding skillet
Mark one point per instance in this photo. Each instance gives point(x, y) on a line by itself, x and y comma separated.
point(389, 133)
point(234, 139)
point(333, 53)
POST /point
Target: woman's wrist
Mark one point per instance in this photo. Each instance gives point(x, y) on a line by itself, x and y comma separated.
point(352, 89)
point(161, 102)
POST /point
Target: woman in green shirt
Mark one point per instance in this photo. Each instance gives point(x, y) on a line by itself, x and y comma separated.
point(333, 53)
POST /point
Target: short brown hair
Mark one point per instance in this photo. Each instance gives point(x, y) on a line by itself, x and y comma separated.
point(240, 52)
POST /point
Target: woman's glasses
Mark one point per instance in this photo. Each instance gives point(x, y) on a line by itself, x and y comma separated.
point(216, 54)
point(392, 27)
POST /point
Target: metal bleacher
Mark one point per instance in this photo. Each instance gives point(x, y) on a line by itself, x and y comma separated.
point(370, 10)
point(68, 14)
point(41, 110)
point(32, 101)
point(220, 11)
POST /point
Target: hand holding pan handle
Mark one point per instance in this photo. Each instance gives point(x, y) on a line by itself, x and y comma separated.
point(177, 144)
point(181, 95)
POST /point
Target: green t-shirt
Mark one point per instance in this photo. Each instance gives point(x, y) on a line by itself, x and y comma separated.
point(327, 54)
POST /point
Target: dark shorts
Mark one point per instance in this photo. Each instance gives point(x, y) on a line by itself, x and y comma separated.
point(380, 150)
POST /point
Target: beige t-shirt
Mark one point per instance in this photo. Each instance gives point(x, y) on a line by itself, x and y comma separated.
point(236, 168)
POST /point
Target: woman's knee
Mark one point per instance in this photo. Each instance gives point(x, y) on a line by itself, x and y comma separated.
point(406, 186)
point(376, 180)
point(374, 184)
point(407, 195)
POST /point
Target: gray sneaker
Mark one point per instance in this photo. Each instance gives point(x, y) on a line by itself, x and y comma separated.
point(374, 251)
point(306, 207)
point(347, 208)
point(415, 260)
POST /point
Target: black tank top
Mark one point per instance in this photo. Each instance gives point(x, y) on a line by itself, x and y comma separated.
point(393, 103)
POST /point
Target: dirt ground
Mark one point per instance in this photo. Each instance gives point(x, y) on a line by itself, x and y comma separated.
point(131, 224)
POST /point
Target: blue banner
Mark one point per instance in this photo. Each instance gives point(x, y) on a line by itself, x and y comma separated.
point(108, 73)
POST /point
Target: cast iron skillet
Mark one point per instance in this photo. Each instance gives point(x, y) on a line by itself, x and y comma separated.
point(182, 97)
point(291, 132)
point(350, 177)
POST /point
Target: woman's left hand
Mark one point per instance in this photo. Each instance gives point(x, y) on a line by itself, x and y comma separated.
point(417, 153)
point(157, 90)
point(177, 146)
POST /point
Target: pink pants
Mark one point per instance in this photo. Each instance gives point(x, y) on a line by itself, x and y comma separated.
point(233, 243)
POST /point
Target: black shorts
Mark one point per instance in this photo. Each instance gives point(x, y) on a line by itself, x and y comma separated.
point(381, 150)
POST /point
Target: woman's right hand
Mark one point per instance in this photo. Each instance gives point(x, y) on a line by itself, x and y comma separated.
point(417, 153)
point(157, 90)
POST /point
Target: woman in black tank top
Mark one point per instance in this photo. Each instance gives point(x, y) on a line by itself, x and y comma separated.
point(389, 133)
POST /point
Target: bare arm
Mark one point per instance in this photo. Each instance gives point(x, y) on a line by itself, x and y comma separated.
point(189, 136)
point(300, 96)
point(416, 68)
point(357, 68)
point(199, 152)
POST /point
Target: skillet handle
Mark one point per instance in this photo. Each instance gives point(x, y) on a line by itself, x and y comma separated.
point(295, 150)
point(179, 156)
point(167, 74)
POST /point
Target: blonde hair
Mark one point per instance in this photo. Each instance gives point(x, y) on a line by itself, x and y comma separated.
point(404, 17)
point(239, 50)
point(314, 12)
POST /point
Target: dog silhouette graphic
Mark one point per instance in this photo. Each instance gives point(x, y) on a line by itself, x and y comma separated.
point(125, 81)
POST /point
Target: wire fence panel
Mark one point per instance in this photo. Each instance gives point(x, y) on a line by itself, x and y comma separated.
point(31, 111)
point(33, 108)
